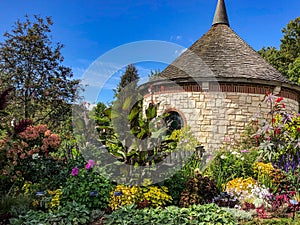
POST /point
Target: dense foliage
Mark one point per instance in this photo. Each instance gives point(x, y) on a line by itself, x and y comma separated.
point(287, 58)
point(32, 66)
point(196, 214)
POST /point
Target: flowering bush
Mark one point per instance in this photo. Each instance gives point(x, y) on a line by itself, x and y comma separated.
point(249, 193)
point(34, 141)
point(86, 187)
point(272, 178)
point(279, 135)
point(151, 196)
point(261, 168)
point(26, 154)
point(240, 184)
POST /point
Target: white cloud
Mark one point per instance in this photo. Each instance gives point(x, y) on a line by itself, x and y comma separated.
point(175, 37)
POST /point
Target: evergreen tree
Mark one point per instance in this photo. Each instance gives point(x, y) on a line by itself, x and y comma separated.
point(126, 96)
point(128, 80)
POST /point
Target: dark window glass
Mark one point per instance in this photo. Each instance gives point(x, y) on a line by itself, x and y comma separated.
point(174, 121)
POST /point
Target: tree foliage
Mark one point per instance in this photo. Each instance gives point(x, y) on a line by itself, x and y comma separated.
point(287, 58)
point(31, 64)
point(153, 74)
point(128, 80)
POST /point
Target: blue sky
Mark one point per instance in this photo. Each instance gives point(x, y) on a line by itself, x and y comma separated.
point(91, 28)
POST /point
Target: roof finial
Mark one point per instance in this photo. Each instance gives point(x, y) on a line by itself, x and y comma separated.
point(221, 14)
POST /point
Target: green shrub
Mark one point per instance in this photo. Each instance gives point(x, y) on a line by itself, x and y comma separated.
point(32, 217)
point(177, 183)
point(14, 206)
point(239, 214)
point(230, 164)
point(71, 213)
point(281, 221)
point(79, 186)
point(171, 215)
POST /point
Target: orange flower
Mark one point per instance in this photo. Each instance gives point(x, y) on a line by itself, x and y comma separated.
point(47, 133)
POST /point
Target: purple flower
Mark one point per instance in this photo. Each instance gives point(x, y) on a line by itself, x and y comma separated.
point(90, 164)
point(244, 151)
point(74, 171)
point(269, 98)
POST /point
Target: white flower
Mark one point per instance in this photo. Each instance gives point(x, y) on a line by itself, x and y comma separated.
point(35, 156)
point(234, 153)
point(223, 156)
point(242, 158)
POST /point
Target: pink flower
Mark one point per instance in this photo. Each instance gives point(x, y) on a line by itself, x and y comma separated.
point(90, 164)
point(244, 151)
point(74, 171)
point(227, 139)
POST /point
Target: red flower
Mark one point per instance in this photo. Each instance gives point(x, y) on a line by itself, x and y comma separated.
point(279, 99)
point(282, 105)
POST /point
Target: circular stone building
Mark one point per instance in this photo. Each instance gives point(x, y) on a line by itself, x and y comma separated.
point(217, 85)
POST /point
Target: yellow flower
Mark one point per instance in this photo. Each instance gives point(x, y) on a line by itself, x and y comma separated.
point(55, 200)
point(261, 168)
point(35, 203)
point(240, 184)
point(155, 196)
point(26, 187)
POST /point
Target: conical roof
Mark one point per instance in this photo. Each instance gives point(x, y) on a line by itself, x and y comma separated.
point(222, 54)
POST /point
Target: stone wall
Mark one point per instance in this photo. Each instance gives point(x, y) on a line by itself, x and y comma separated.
point(214, 115)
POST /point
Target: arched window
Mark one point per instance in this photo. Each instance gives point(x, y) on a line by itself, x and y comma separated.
point(174, 121)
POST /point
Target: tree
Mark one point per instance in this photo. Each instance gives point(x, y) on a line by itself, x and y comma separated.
point(128, 80)
point(294, 71)
point(32, 65)
point(286, 59)
point(153, 74)
point(126, 95)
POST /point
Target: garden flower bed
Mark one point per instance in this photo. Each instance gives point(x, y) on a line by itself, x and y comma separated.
point(254, 180)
